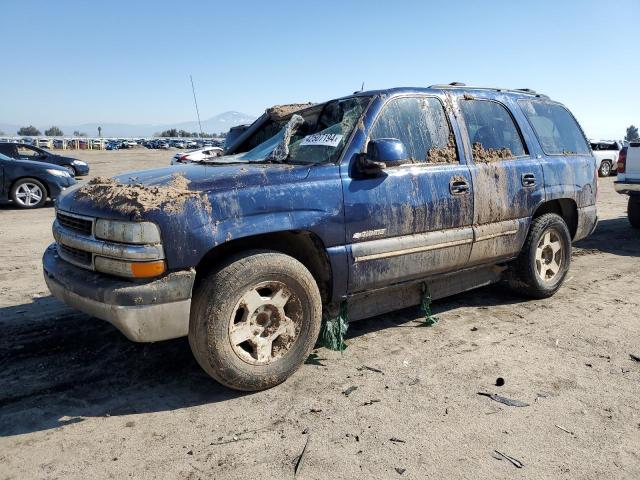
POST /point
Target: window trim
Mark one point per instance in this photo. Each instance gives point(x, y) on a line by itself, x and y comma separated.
point(525, 146)
point(446, 114)
point(535, 132)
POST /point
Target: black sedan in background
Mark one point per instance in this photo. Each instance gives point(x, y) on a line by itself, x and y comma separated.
point(21, 151)
point(28, 184)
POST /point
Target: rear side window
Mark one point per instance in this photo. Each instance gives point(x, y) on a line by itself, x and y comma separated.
point(493, 134)
point(6, 150)
point(421, 124)
point(557, 130)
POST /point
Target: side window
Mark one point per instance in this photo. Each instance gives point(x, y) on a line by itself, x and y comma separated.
point(421, 124)
point(6, 149)
point(557, 130)
point(492, 133)
point(24, 151)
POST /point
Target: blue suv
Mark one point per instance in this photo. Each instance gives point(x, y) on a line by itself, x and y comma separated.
point(360, 205)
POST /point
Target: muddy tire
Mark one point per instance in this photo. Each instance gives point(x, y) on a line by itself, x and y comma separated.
point(28, 193)
point(544, 259)
point(633, 211)
point(605, 169)
point(255, 319)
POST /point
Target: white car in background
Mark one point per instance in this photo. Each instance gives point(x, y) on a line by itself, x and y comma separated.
point(196, 155)
point(606, 153)
point(628, 182)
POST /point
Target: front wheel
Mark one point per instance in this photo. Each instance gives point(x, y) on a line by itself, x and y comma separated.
point(544, 259)
point(255, 320)
point(70, 169)
point(28, 193)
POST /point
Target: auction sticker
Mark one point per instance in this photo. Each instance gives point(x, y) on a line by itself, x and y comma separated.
point(326, 139)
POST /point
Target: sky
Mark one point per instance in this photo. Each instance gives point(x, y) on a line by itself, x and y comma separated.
point(72, 62)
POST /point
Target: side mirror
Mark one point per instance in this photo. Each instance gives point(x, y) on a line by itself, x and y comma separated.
point(382, 153)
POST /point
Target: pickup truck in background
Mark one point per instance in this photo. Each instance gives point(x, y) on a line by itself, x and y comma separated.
point(352, 207)
point(628, 181)
point(606, 153)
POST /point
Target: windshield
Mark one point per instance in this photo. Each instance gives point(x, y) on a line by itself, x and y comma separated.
point(306, 140)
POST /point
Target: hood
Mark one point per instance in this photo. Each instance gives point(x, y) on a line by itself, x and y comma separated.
point(167, 190)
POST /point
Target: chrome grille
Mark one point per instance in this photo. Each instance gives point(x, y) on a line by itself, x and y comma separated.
point(74, 255)
point(77, 224)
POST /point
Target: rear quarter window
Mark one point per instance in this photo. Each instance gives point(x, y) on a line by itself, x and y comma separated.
point(556, 129)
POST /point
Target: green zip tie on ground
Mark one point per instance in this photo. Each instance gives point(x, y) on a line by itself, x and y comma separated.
point(429, 318)
point(333, 330)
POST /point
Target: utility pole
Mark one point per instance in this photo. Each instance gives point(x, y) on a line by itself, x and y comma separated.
point(196, 104)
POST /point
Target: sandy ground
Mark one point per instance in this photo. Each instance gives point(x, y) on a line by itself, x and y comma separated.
point(77, 400)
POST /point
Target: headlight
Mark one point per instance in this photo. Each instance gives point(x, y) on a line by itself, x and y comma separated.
point(80, 163)
point(58, 173)
point(127, 232)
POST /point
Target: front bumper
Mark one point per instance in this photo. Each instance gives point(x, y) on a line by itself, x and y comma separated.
point(147, 311)
point(627, 187)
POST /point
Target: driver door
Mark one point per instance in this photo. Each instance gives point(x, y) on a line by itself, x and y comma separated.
point(415, 219)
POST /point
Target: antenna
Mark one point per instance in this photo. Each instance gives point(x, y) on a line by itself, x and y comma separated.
point(196, 103)
point(362, 87)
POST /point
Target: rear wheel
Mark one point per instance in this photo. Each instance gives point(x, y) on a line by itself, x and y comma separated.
point(255, 320)
point(633, 211)
point(605, 168)
point(544, 259)
point(28, 193)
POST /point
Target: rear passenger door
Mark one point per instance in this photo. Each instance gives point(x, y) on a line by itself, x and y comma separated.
point(507, 178)
point(414, 219)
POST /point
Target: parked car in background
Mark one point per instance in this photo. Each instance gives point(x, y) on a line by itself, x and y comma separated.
point(196, 155)
point(20, 151)
point(606, 153)
point(353, 207)
point(28, 184)
point(628, 181)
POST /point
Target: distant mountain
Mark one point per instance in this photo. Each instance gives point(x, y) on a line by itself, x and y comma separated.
point(219, 123)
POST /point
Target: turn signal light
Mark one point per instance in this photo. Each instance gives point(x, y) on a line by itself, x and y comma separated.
point(147, 269)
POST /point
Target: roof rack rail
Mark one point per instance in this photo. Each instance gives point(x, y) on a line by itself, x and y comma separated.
point(458, 84)
point(496, 89)
point(526, 90)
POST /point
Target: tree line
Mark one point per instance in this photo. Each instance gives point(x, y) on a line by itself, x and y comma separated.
point(175, 133)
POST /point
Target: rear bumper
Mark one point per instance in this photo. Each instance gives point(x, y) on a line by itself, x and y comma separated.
point(587, 222)
point(146, 311)
point(627, 187)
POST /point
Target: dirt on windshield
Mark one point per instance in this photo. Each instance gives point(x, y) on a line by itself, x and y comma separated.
point(282, 112)
point(136, 198)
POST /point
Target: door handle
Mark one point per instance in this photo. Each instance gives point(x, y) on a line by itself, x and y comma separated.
point(458, 186)
point(528, 180)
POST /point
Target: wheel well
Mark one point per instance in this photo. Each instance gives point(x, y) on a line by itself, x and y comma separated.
point(566, 208)
point(304, 246)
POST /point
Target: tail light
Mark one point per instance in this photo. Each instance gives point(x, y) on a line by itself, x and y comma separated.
point(183, 158)
point(622, 160)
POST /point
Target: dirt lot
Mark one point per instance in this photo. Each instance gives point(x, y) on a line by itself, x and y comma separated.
point(77, 400)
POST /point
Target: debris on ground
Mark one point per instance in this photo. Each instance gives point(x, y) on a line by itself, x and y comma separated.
point(349, 390)
point(396, 440)
point(370, 402)
point(298, 464)
point(634, 357)
point(499, 382)
point(504, 400)
point(565, 430)
point(400, 470)
point(372, 369)
point(429, 318)
point(314, 359)
point(333, 329)
point(501, 456)
point(474, 329)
